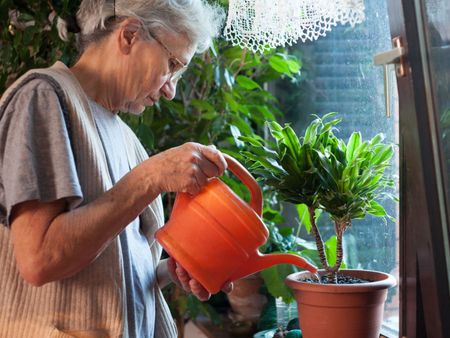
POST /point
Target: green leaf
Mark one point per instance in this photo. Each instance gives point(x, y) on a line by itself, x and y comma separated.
point(330, 250)
point(229, 78)
point(241, 124)
point(328, 115)
point(291, 141)
point(272, 215)
point(213, 48)
point(274, 280)
point(294, 66)
point(311, 255)
point(352, 145)
point(234, 106)
point(279, 64)
point(274, 126)
point(209, 116)
point(247, 83)
point(236, 134)
point(254, 141)
point(304, 244)
point(376, 209)
point(326, 173)
point(268, 163)
point(286, 231)
point(311, 132)
point(268, 115)
point(203, 105)
point(303, 216)
point(233, 54)
point(329, 126)
point(383, 155)
point(376, 139)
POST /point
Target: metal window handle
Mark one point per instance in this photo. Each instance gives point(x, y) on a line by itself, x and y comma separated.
point(390, 56)
point(394, 56)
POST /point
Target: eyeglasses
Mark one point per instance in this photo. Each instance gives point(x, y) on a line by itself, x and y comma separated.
point(176, 67)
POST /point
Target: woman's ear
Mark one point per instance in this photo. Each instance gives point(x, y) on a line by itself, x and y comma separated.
point(128, 34)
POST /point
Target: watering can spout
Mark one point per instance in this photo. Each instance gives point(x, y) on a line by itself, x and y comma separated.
point(260, 262)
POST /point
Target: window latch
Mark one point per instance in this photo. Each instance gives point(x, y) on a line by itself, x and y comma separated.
point(396, 56)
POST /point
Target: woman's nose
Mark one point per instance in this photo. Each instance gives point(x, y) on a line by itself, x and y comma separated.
point(169, 89)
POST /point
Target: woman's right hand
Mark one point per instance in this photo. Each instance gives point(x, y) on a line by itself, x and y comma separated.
point(181, 277)
point(186, 168)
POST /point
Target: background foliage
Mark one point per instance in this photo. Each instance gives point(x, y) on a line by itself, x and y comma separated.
point(222, 96)
point(29, 39)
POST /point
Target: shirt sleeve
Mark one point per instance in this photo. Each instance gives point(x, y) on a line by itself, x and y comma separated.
point(36, 159)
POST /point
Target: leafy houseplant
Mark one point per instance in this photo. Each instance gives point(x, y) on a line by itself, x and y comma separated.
point(324, 173)
point(345, 180)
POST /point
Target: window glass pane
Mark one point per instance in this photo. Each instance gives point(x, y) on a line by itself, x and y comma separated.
point(438, 20)
point(339, 75)
point(437, 25)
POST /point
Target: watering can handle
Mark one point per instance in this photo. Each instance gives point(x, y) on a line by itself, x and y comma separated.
point(256, 199)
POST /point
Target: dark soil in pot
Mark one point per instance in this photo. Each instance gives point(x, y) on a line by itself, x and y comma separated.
point(340, 280)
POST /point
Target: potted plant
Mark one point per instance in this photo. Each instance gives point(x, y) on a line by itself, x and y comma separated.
point(345, 180)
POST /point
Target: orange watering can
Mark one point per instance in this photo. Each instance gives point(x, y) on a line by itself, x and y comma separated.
point(215, 235)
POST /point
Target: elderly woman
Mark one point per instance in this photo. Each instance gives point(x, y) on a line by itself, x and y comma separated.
point(79, 198)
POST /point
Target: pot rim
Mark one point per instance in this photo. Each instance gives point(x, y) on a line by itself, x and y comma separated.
point(381, 281)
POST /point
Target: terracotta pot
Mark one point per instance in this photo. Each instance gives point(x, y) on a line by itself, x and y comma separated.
point(245, 300)
point(341, 310)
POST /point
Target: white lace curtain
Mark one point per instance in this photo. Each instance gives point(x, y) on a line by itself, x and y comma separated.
point(263, 24)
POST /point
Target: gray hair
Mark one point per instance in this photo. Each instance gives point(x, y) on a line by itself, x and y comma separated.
point(197, 19)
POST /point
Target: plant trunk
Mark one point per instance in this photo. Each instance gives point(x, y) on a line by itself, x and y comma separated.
point(340, 227)
point(318, 238)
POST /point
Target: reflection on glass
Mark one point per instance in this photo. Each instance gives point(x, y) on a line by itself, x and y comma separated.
point(438, 15)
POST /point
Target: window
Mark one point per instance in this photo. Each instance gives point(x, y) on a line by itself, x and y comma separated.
point(339, 75)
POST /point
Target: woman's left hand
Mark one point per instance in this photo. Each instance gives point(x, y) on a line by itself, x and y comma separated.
point(182, 278)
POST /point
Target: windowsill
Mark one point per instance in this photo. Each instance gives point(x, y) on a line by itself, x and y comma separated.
point(211, 330)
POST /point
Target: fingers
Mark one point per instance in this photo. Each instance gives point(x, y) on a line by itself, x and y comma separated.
point(207, 162)
point(199, 180)
point(186, 168)
point(171, 267)
point(208, 168)
point(215, 157)
point(198, 290)
point(183, 278)
point(228, 287)
point(185, 281)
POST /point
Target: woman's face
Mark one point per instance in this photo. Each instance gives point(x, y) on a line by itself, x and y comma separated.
point(147, 73)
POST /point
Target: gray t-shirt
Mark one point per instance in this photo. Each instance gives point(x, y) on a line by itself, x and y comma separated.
point(36, 159)
point(138, 264)
point(37, 163)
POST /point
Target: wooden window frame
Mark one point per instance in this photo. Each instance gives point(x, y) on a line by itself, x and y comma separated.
point(424, 203)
